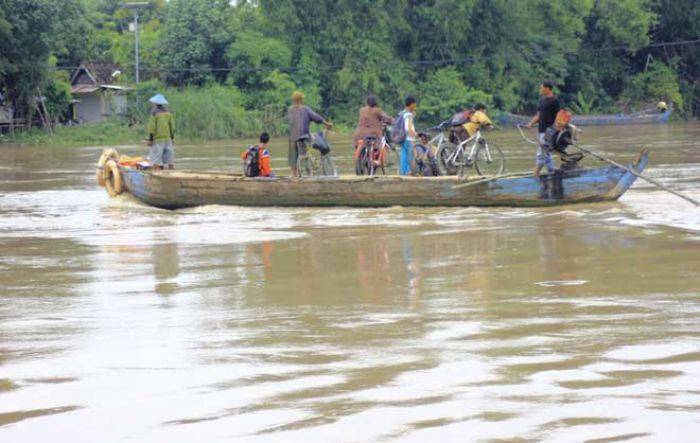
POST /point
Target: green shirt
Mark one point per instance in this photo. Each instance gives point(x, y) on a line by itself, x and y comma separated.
point(160, 126)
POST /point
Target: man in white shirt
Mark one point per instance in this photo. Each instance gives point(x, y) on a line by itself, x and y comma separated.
point(406, 153)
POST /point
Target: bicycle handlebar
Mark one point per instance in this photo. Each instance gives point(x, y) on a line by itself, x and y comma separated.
point(440, 126)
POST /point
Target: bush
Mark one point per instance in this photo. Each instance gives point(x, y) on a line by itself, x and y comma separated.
point(211, 112)
point(58, 97)
point(659, 82)
point(444, 92)
point(110, 132)
point(208, 112)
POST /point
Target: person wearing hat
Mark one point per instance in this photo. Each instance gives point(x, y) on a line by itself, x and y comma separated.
point(161, 133)
point(300, 118)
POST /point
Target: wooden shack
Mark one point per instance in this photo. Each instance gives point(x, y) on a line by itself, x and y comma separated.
point(96, 94)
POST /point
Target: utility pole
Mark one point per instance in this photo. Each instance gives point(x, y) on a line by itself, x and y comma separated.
point(136, 43)
point(135, 7)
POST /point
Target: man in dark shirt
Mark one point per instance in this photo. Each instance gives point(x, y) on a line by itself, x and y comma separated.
point(547, 111)
point(300, 118)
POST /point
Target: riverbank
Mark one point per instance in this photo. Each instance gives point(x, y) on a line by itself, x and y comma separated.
point(116, 132)
point(89, 134)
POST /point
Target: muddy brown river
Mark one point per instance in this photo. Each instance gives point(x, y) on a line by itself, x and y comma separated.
point(124, 323)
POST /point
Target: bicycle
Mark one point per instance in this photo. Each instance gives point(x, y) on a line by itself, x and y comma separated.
point(373, 154)
point(487, 158)
point(308, 165)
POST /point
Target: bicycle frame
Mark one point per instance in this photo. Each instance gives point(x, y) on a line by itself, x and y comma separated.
point(317, 160)
point(380, 148)
point(459, 151)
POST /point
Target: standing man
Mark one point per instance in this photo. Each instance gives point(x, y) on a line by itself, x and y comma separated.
point(161, 134)
point(547, 111)
point(406, 154)
point(300, 118)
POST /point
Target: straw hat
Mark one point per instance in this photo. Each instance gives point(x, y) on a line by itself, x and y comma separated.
point(158, 99)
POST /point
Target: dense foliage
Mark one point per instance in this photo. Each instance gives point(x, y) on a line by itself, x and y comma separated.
point(244, 58)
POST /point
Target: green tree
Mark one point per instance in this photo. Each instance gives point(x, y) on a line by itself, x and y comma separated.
point(57, 93)
point(444, 92)
point(121, 50)
point(449, 53)
point(615, 30)
point(32, 30)
point(679, 20)
point(110, 39)
point(256, 62)
point(194, 39)
point(659, 82)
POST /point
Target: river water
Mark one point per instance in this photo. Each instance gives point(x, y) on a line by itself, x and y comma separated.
point(121, 322)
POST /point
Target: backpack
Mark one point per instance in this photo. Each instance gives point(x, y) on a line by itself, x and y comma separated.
point(462, 117)
point(398, 129)
point(251, 164)
point(321, 144)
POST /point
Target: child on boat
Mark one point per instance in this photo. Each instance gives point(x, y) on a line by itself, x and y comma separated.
point(256, 158)
point(425, 164)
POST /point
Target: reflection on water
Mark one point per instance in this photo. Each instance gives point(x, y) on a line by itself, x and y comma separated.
point(398, 324)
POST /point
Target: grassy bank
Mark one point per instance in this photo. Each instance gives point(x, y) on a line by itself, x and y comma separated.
point(117, 132)
point(90, 134)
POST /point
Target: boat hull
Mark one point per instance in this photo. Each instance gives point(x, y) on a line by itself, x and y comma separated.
point(596, 120)
point(174, 189)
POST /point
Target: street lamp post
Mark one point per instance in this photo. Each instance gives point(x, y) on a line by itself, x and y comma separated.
point(136, 43)
point(135, 7)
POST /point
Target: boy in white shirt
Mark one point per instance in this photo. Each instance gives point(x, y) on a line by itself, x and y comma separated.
point(406, 153)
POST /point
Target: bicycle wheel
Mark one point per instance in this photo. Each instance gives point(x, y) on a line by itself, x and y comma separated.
point(445, 163)
point(361, 166)
point(327, 166)
point(461, 170)
point(489, 160)
point(302, 165)
point(383, 160)
point(306, 165)
point(374, 161)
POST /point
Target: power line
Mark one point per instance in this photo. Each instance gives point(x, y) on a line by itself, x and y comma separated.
point(425, 62)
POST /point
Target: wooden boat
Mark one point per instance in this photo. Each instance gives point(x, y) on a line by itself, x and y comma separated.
point(647, 116)
point(179, 189)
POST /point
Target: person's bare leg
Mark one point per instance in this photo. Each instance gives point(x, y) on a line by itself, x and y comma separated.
point(538, 168)
point(294, 171)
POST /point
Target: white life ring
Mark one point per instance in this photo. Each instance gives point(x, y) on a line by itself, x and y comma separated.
point(107, 154)
point(113, 178)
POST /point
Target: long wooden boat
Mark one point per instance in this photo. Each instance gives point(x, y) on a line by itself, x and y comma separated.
point(650, 116)
point(179, 189)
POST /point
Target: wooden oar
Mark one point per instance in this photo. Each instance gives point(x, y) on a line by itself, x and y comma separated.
point(614, 163)
point(635, 173)
point(522, 134)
